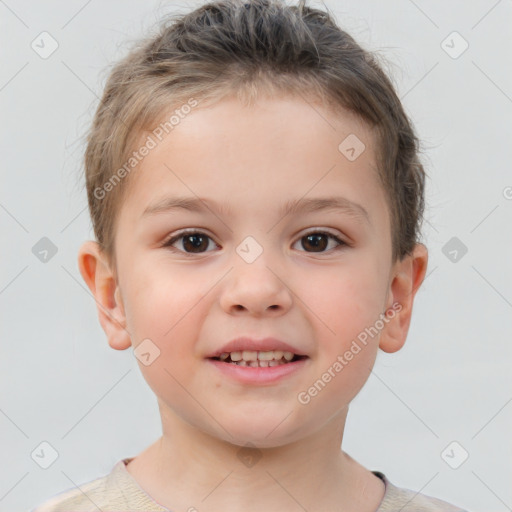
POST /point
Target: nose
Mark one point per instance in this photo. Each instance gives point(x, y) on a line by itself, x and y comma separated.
point(255, 289)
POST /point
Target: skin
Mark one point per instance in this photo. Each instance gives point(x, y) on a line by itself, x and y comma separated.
point(252, 159)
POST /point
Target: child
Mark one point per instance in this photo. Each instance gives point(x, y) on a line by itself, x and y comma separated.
point(256, 195)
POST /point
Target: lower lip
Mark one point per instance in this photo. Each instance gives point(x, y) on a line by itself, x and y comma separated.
point(258, 375)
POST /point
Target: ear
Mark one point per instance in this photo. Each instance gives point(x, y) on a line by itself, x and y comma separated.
point(100, 279)
point(406, 278)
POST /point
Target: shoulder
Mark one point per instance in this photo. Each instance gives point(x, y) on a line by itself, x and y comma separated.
point(89, 496)
point(405, 500)
point(113, 492)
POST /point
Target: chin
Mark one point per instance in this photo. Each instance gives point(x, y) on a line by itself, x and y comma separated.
point(259, 434)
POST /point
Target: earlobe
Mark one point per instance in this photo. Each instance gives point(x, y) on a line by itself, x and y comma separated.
point(99, 278)
point(407, 277)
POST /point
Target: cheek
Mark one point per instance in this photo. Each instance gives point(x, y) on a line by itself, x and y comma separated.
point(345, 302)
point(162, 307)
point(165, 310)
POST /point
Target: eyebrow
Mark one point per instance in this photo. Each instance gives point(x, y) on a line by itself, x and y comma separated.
point(303, 205)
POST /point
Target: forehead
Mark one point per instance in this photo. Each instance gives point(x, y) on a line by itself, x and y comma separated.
point(274, 151)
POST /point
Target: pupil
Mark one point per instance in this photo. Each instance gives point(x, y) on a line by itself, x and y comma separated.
point(313, 239)
point(195, 245)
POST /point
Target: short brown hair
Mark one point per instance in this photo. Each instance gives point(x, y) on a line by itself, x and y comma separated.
point(233, 46)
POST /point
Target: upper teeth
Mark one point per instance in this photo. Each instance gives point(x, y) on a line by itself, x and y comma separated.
point(249, 355)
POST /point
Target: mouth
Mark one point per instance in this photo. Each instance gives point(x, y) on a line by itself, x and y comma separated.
point(259, 359)
point(259, 368)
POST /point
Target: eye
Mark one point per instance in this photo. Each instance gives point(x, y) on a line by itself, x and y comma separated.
point(193, 242)
point(197, 242)
point(319, 240)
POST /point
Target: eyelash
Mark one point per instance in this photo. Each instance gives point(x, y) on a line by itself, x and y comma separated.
point(171, 240)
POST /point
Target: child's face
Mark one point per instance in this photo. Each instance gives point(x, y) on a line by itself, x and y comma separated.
point(192, 298)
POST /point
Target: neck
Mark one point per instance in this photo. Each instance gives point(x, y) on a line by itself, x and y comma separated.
point(189, 468)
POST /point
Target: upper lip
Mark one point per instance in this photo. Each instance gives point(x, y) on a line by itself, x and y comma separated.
point(264, 345)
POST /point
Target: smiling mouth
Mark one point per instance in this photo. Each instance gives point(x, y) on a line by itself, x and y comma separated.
point(258, 359)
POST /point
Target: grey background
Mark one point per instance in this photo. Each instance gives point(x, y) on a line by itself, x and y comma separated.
point(60, 381)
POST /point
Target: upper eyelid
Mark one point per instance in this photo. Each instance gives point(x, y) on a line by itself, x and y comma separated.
point(202, 231)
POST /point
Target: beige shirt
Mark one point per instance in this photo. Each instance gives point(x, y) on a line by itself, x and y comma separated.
point(119, 491)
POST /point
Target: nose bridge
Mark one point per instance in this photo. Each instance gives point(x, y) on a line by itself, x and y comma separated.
point(254, 283)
